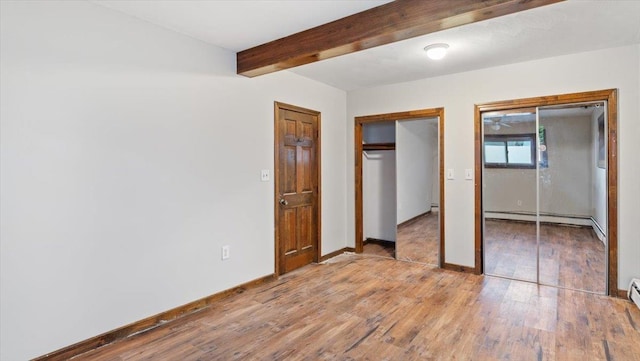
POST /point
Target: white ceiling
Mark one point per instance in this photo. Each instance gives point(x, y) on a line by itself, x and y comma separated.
point(239, 24)
point(563, 28)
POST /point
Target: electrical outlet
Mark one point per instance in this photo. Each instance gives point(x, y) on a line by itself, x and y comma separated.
point(519, 202)
point(264, 175)
point(226, 252)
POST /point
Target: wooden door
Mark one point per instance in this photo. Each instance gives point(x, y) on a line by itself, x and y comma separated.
point(297, 187)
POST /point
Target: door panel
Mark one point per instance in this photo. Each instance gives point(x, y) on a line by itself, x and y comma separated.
point(288, 230)
point(572, 195)
point(297, 187)
point(306, 226)
point(509, 192)
point(289, 177)
point(545, 218)
point(304, 177)
point(417, 190)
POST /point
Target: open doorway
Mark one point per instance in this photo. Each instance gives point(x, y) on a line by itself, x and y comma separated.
point(546, 211)
point(399, 192)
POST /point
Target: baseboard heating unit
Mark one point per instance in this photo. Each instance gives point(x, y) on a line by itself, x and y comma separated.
point(634, 291)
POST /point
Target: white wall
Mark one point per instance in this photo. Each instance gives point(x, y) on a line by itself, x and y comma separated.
point(459, 92)
point(414, 158)
point(379, 195)
point(383, 132)
point(566, 183)
point(129, 155)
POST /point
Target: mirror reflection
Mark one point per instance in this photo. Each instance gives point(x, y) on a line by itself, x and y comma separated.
point(509, 191)
point(572, 197)
point(418, 191)
point(544, 195)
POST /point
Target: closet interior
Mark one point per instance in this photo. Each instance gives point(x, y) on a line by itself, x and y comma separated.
point(401, 190)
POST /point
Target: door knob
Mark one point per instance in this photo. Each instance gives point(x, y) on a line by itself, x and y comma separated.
point(284, 202)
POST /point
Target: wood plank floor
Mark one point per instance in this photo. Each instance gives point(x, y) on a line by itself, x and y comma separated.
point(356, 307)
point(570, 256)
point(418, 240)
point(386, 249)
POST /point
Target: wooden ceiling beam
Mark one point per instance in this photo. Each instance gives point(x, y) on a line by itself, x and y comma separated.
point(388, 23)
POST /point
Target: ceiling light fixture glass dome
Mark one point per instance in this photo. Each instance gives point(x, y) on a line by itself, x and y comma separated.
point(436, 51)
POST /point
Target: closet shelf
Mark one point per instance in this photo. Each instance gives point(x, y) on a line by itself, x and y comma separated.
point(379, 146)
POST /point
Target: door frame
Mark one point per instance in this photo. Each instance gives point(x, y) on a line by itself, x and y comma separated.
point(608, 95)
point(392, 117)
point(277, 106)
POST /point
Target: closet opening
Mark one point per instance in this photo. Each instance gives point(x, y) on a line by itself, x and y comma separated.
point(379, 189)
point(399, 193)
point(546, 190)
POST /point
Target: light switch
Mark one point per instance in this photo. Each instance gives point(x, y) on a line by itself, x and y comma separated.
point(468, 173)
point(450, 174)
point(264, 175)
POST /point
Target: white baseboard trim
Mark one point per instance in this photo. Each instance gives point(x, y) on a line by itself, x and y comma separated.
point(552, 218)
point(599, 231)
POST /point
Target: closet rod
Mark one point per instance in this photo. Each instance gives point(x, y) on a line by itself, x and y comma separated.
point(379, 146)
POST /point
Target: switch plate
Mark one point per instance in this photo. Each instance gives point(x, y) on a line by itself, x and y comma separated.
point(450, 174)
point(468, 174)
point(264, 175)
point(226, 252)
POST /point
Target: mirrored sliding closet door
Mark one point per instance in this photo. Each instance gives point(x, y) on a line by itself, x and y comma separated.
point(544, 195)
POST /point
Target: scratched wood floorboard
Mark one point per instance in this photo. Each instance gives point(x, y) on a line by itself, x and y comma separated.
point(371, 308)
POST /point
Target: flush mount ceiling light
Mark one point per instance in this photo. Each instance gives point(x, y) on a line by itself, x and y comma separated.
point(436, 51)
